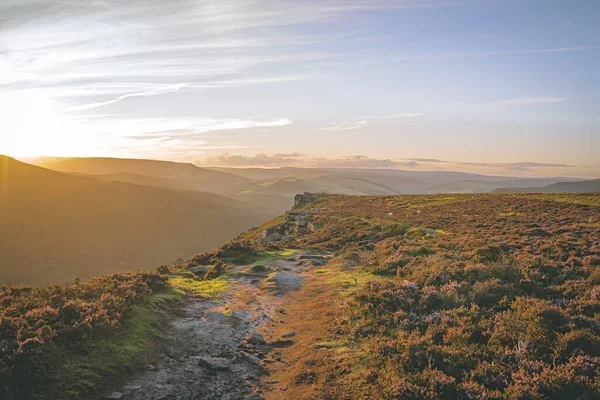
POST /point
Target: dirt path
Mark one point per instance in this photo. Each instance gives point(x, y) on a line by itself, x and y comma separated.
point(228, 350)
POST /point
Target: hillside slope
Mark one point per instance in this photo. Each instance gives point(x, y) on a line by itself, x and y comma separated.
point(56, 226)
point(172, 174)
point(559, 187)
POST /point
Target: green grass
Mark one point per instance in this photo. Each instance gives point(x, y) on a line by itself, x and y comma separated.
point(265, 256)
point(212, 289)
point(77, 373)
point(253, 233)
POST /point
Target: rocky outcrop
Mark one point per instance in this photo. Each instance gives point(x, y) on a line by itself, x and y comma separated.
point(302, 199)
point(295, 222)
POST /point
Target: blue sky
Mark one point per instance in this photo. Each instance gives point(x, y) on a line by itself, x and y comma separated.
point(482, 85)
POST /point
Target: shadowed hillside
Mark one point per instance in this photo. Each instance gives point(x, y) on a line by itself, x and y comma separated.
point(55, 226)
point(165, 173)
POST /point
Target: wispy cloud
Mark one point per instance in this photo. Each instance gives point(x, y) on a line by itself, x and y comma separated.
point(151, 92)
point(496, 53)
point(336, 128)
point(362, 161)
point(525, 101)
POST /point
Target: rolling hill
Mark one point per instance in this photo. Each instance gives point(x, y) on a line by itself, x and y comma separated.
point(559, 187)
point(165, 173)
point(56, 226)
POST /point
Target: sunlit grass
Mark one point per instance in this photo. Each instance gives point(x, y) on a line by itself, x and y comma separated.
point(212, 289)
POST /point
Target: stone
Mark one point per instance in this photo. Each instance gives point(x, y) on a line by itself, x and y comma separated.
point(301, 222)
point(255, 338)
point(214, 363)
point(131, 389)
point(114, 396)
point(255, 396)
point(150, 367)
point(302, 199)
point(215, 316)
point(283, 280)
point(288, 335)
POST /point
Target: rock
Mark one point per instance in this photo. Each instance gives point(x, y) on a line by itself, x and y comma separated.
point(283, 280)
point(114, 396)
point(215, 316)
point(131, 389)
point(301, 222)
point(200, 270)
point(239, 314)
point(255, 396)
point(539, 233)
point(259, 269)
point(288, 335)
point(302, 199)
point(252, 359)
point(255, 338)
point(150, 367)
point(214, 363)
point(269, 236)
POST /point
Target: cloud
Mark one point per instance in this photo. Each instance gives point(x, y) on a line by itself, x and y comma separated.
point(298, 160)
point(289, 155)
point(525, 101)
point(361, 161)
point(497, 53)
point(336, 128)
point(526, 166)
point(151, 92)
point(426, 160)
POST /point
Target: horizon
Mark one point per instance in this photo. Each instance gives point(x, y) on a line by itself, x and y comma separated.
point(475, 86)
point(41, 161)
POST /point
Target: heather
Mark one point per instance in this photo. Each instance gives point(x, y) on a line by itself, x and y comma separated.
point(60, 341)
point(489, 296)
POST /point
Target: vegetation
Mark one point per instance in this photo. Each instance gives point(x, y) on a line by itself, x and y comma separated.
point(471, 297)
point(59, 341)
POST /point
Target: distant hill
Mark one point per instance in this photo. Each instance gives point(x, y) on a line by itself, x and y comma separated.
point(170, 174)
point(56, 226)
point(560, 187)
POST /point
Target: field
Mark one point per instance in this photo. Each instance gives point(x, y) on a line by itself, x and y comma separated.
point(467, 296)
point(488, 296)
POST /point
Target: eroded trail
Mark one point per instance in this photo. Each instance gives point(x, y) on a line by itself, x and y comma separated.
point(227, 350)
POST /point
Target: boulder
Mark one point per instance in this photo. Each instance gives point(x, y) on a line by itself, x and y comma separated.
point(215, 316)
point(214, 363)
point(255, 338)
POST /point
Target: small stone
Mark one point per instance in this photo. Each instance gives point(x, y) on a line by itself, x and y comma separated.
point(214, 363)
point(288, 335)
point(150, 367)
point(114, 396)
point(130, 389)
point(255, 338)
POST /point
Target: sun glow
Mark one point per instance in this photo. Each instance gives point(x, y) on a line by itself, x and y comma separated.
point(34, 125)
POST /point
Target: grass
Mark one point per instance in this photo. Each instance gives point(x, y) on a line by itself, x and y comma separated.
point(253, 233)
point(212, 289)
point(79, 372)
point(265, 256)
point(573, 198)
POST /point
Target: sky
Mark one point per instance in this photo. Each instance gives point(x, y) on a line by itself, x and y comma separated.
point(493, 86)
